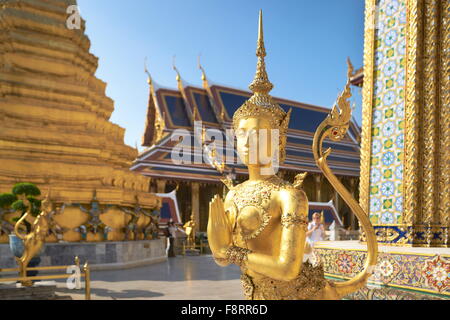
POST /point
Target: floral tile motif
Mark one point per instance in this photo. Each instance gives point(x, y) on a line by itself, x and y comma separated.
point(387, 268)
point(345, 263)
point(389, 294)
point(437, 273)
point(388, 113)
point(408, 271)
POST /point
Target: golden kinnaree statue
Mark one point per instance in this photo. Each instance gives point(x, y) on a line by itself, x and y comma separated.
point(261, 226)
point(189, 228)
point(35, 239)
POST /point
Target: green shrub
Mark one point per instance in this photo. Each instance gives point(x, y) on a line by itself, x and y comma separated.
point(6, 200)
point(27, 189)
point(35, 206)
point(10, 201)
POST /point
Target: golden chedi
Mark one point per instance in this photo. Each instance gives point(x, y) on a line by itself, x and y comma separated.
point(55, 129)
point(261, 225)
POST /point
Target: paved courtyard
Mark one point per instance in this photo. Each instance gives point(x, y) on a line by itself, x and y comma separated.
point(190, 277)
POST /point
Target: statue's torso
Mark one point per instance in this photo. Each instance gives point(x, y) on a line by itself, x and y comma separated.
point(254, 211)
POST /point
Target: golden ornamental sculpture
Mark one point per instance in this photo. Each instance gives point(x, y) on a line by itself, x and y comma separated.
point(35, 239)
point(261, 226)
point(189, 228)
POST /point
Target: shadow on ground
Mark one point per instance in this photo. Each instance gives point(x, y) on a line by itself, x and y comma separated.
point(175, 269)
point(105, 293)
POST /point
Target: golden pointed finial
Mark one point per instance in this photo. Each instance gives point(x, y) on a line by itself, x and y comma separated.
point(350, 68)
point(204, 78)
point(261, 50)
point(149, 79)
point(261, 104)
point(201, 68)
point(261, 83)
point(178, 78)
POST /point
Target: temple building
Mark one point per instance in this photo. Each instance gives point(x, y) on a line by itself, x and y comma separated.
point(171, 111)
point(55, 130)
point(405, 152)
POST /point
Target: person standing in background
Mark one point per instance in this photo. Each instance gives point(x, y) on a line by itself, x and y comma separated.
point(316, 230)
point(172, 234)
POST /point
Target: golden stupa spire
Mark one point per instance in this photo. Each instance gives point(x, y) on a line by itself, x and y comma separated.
point(261, 83)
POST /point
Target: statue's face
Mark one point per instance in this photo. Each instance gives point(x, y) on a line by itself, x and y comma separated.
point(257, 141)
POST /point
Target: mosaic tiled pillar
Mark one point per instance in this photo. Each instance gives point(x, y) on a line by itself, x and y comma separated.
point(405, 145)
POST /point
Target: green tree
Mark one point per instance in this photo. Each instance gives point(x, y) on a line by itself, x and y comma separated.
point(10, 201)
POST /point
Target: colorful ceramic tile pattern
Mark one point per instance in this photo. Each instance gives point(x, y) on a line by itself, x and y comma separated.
point(386, 199)
point(386, 293)
point(418, 272)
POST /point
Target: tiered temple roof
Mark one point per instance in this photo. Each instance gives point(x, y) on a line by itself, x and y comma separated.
point(214, 105)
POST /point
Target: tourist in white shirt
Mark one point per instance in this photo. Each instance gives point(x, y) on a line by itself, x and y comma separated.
point(316, 230)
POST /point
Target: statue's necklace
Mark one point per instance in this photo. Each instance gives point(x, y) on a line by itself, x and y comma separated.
point(257, 195)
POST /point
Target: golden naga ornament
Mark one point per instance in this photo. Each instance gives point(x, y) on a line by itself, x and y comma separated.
point(35, 239)
point(261, 225)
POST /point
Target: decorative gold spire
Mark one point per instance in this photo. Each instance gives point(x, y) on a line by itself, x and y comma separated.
point(149, 77)
point(261, 83)
point(159, 123)
point(204, 78)
point(193, 109)
point(178, 78)
point(261, 104)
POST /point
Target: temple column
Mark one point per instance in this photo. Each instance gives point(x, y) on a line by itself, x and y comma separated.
point(318, 186)
point(195, 189)
point(161, 186)
point(405, 147)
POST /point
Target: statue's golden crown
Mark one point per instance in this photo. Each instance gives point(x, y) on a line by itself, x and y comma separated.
point(261, 104)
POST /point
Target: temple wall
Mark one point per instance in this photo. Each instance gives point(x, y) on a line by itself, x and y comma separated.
point(386, 175)
point(405, 149)
point(400, 273)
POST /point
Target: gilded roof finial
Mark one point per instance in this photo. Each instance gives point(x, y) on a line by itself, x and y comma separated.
point(204, 78)
point(149, 79)
point(183, 94)
point(261, 83)
point(178, 78)
point(350, 68)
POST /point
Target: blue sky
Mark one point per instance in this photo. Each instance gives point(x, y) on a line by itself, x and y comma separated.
point(307, 44)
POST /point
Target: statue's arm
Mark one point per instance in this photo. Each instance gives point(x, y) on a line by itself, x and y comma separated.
point(287, 265)
point(219, 229)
